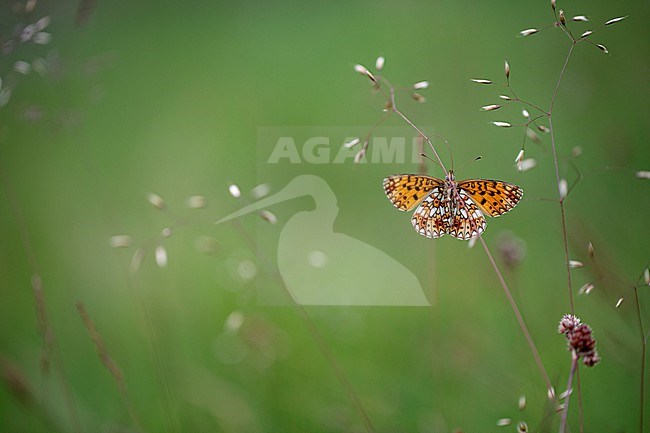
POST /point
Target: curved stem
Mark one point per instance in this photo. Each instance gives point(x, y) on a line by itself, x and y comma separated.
point(565, 239)
point(557, 175)
point(559, 80)
point(412, 125)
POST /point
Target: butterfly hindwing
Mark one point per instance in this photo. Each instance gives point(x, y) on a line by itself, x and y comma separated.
point(493, 197)
point(405, 191)
point(468, 221)
point(431, 218)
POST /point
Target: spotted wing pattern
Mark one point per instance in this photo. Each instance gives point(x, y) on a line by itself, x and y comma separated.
point(468, 221)
point(431, 218)
point(405, 191)
point(447, 207)
point(441, 213)
point(493, 196)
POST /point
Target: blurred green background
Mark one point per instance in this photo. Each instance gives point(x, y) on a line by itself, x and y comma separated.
point(168, 97)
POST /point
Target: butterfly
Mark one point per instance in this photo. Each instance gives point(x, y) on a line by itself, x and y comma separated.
point(451, 207)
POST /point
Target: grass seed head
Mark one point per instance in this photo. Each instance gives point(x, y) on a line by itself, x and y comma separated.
point(590, 250)
point(418, 98)
point(533, 135)
point(520, 156)
point(120, 241)
point(358, 158)
point(527, 164)
point(351, 143)
point(42, 38)
point(268, 216)
point(156, 201)
point(22, 67)
point(615, 20)
point(586, 289)
point(196, 202)
point(261, 190)
point(161, 256)
point(490, 107)
point(602, 48)
point(619, 302)
point(421, 85)
point(528, 32)
point(576, 151)
point(550, 393)
point(379, 63)
point(234, 190)
point(137, 259)
point(575, 264)
point(364, 71)
point(563, 188)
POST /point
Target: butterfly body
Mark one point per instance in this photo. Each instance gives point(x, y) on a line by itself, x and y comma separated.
point(446, 206)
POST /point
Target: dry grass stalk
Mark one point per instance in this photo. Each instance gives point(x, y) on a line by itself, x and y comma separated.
point(112, 367)
point(97, 340)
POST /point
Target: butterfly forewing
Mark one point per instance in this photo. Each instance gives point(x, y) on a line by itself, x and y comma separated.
point(494, 197)
point(405, 191)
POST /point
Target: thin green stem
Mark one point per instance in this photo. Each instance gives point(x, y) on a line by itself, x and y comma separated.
point(559, 81)
point(569, 391)
point(412, 125)
point(565, 238)
point(643, 355)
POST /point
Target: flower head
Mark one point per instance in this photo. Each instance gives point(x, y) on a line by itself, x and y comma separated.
point(580, 339)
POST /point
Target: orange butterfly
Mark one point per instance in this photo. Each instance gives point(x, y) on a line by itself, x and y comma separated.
point(447, 206)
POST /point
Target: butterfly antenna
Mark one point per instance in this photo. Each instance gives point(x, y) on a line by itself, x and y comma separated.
point(469, 162)
point(424, 155)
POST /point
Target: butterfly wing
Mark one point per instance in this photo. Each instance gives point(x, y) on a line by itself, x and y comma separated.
point(468, 221)
point(431, 218)
point(405, 191)
point(493, 197)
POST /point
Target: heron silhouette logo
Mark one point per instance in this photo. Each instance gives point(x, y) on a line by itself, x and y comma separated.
point(322, 267)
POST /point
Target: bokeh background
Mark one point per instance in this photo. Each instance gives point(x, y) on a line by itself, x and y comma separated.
point(130, 98)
